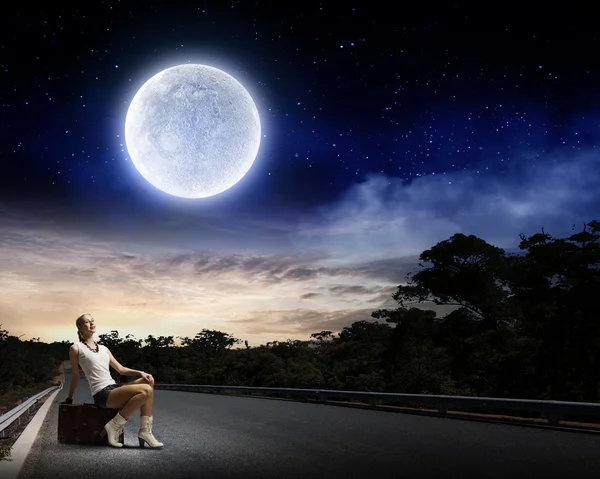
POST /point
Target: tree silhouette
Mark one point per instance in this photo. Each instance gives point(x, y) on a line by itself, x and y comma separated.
point(463, 271)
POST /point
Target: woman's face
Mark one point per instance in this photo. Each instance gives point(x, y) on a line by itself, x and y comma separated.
point(87, 326)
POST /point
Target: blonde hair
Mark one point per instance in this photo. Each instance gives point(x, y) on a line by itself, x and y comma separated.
point(78, 322)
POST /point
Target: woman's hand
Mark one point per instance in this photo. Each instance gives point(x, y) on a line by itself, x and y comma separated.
point(148, 377)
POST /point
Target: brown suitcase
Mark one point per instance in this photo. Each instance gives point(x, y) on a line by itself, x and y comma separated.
point(83, 423)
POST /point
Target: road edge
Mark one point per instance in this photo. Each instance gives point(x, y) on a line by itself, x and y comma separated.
point(22, 446)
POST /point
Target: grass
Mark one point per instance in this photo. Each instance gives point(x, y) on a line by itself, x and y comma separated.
point(5, 453)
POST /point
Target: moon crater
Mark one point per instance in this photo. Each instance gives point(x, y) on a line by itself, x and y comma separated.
point(192, 131)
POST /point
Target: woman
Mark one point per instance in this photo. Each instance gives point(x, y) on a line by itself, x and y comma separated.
point(95, 360)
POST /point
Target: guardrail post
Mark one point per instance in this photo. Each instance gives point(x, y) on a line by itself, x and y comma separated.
point(442, 409)
point(553, 418)
point(372, 402)
point(323, 398)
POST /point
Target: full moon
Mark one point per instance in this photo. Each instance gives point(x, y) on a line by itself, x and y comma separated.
point(192, 131)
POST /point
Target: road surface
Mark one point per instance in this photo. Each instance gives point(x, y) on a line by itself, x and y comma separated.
point(211, 436)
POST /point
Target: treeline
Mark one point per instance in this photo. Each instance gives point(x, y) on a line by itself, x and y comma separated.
point(26, 367)
point(526, 325)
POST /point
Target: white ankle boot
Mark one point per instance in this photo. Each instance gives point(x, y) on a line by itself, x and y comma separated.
point(145, 435)
point(113, 430)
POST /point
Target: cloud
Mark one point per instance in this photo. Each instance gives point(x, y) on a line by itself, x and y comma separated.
point(393, 270)
point(387, 219)
point(299, 322)
point(309, 295)
point(357, 289)
point(384, 297)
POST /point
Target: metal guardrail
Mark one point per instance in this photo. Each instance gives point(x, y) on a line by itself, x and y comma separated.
point(15, 414)
point(554, 410)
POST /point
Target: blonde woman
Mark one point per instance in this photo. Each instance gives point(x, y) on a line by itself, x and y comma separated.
point(95, 361)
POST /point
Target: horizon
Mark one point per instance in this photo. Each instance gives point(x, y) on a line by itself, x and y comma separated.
point(441, 310)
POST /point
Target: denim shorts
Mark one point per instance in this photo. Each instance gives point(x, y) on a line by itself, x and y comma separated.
point(101, 396)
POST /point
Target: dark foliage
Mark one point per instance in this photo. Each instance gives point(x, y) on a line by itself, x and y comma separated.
point(26, 367)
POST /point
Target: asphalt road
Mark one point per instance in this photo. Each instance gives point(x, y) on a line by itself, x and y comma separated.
point(210, 436)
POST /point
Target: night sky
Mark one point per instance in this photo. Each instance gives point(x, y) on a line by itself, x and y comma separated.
point(382, 134)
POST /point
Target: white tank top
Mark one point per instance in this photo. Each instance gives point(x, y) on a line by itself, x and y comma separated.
point(96, 367)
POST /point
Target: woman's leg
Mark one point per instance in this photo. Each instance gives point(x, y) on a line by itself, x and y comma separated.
point(145, 435)
point(129, 398)
point(146, 409)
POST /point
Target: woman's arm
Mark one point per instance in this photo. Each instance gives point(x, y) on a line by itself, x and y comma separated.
point(123, 371)
point(74, 357)
point(130, 372)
